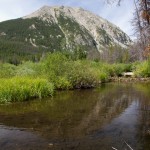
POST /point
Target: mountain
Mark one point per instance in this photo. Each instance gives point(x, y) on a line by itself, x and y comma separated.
point(58, 29)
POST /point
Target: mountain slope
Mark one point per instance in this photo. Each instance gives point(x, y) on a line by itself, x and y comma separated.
point(63, 28)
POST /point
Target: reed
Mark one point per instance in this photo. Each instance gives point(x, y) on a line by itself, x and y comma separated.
point(21, 89)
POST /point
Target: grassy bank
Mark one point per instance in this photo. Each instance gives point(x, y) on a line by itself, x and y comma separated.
point(20, 89)
point(56, 71)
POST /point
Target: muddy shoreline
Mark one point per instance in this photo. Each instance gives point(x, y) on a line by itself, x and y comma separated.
point(129, 79)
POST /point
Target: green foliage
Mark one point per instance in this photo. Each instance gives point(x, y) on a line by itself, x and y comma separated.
point(7, 70)
point(83, 75)
point(62, 83)
point(66, 74)
point(78, 53)
point(54, 65)
point(15, 52)
point(29, 39)
point(104, 76)
point(20, 89)
point(143, 69)
point(115, 54)
point(110, 70)
point(44, 33)
point(27, 69)
point(15, 45)
point(29, 80)
point(119, 68)
point(19, 36)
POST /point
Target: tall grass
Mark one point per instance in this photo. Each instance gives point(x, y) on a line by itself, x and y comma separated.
point(21, 89)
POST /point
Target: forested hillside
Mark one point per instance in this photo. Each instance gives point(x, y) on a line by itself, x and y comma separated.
point(72, 31)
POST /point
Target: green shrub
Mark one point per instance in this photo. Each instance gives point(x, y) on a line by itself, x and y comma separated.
point(54, 65)
point(7, 70)
point(119, 68)
point(82, 75)
point(104, 76)
point(143, 69)
point(65, 73)
point(26, 69)
point(107, 70)
point(62, 83)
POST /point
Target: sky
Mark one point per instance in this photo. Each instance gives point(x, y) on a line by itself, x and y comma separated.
point(119, 15)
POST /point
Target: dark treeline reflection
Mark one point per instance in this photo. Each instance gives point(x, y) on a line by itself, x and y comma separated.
point(82, 119)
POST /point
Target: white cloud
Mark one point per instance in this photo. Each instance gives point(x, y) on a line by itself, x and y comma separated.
point(10, 9)
point(121, 16)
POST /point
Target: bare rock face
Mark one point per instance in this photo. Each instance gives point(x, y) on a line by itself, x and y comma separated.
point(64, 28)
point(100, 30)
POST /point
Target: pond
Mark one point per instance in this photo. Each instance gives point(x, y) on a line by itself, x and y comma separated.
point(113, 116)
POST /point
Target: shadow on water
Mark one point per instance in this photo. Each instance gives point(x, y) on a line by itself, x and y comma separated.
point(113, 115)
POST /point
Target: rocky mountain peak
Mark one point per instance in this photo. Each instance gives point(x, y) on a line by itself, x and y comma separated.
point(95, 25)
point(65, 28)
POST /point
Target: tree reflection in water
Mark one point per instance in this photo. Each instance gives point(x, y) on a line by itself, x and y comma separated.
point(84, 119)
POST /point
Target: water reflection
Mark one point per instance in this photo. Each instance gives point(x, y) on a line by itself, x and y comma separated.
point(111, 116)
point(20, 139)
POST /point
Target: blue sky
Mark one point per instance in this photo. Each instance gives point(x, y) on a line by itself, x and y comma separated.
point(119, 15)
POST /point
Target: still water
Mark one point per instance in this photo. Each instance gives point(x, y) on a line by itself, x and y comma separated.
point(114, 116)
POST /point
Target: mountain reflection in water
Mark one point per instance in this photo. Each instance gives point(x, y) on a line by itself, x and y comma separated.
point(110, 116)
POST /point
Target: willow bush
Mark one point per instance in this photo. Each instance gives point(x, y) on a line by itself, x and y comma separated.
point(143, 69)
point(7, 70)
point(67, 74)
